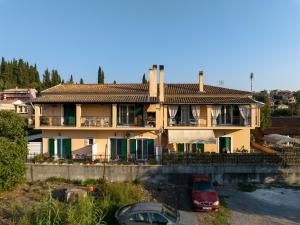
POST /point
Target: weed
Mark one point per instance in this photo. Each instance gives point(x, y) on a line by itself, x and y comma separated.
point(222, 215)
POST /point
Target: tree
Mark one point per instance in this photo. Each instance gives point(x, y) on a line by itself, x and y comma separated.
point(71, 81)
point(114, 82)
point(81, 81)
point(265, 115)
point(46, 79)
point(13, 150)
point(100, 76)
point(144, 80)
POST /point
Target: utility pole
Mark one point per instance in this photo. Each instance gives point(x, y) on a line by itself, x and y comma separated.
point(251, 78)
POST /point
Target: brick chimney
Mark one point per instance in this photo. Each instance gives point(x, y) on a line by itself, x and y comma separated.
point(153, 81)
point(161, 83)
point(201, 81)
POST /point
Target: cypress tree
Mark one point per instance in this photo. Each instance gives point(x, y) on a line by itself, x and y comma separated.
point(114, 82)
point(71, 81)
point(144, 80)
point(100, 76)
point(81, 81)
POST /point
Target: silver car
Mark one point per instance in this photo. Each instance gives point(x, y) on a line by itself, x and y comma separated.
point(153, 213)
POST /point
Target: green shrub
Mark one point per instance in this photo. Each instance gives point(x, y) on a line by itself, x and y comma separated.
point(89, 182)
point(38, 158)
point(247, 187)
point(137, 180)
point(152, 162)
point(13, 150)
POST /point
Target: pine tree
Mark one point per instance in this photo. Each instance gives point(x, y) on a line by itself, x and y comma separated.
point(100, 76)
point(114, 82)
point(71, 81)
point(46, 79)
point(81, 81)
point(144, 80)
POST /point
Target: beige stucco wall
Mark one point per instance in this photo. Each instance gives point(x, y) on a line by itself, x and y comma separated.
point(101, 138)
point(96, 110)
point(51, 109)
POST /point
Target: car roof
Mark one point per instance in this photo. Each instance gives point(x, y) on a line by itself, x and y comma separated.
point(200, 178)
point(146, 206)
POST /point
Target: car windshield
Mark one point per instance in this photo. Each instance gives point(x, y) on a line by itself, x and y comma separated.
point(203, 186)
point(170, 213)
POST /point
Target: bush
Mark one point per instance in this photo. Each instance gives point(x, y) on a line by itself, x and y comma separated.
point(13, 150)
point(38, 158)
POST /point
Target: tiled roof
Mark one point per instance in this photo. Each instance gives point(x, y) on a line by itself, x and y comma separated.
point(98, 88)
point(209, 100)
point(92, 98)
point(174, 89)
point(285, 125)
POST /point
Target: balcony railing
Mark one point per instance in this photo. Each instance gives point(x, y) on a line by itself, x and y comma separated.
point(57, 121)
point(233, 121)
point(191, 122)
point(95, 121)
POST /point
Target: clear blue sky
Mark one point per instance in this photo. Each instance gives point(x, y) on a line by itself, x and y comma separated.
point(227, 39)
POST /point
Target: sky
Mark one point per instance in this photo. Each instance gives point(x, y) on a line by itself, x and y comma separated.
point(226, 39)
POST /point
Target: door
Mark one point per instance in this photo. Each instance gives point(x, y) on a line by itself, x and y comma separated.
point(141, 149)
point(118, 148)
point(224, 144)
point(180, 148)
point(126, 114)
point(69, 114)
point(200, 147)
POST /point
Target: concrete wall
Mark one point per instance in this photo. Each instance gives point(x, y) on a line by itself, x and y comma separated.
point(223, 174)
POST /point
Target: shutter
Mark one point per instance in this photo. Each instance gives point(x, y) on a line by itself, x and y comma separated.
point(133, 146)
point(180, 147)
point(59, 149)
point(123, 149)
point(70, 114)
point(150, 145)
point(51, 147)
point(67, 148)
point(228, 143)
point(200, 147)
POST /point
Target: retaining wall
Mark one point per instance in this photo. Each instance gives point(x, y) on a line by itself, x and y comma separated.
point(223, 174)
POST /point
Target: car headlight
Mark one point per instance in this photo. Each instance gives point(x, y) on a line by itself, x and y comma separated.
point(216, 203)
point(196, 202)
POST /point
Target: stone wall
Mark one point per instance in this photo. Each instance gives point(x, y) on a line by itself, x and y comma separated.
point(223, 174)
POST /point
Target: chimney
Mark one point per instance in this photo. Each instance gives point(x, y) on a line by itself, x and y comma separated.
point(201, 81)
point(153, 81)
point(161, 83)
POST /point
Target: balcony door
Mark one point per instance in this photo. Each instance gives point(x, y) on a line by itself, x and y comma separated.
point(118, 149)
point(69, 114)
point(142, 148)
point(126, 115)
point(60, 148)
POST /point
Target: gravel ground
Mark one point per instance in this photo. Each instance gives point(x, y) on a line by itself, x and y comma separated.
point(263, 206)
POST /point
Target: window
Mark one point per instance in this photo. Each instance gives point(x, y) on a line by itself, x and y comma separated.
point(118, 148)
point(89, 141)
point(158, 219)
point(139, 217)
point(126, 114)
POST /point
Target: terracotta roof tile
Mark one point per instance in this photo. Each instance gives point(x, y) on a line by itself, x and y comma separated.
point(92, 98)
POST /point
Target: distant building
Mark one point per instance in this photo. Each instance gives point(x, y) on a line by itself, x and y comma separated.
point(14, 105)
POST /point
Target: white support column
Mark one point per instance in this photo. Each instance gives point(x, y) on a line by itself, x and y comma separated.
point(55, 149)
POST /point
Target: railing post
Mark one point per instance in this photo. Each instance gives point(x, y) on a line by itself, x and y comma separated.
point(78, 115)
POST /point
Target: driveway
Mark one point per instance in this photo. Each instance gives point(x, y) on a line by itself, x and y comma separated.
point(263, 206)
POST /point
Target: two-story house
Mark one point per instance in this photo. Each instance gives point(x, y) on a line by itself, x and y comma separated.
point(123, 121)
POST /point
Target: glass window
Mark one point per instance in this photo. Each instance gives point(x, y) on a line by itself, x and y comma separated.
point(203, 186)
point(170, 213)
point(140, 217)
point(158, 219)
point(89, 141)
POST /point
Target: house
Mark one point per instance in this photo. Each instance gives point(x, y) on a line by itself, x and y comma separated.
point(22, 97)
point(14, 105)
point(124, 121)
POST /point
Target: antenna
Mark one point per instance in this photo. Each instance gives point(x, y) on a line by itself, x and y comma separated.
point(251, 79)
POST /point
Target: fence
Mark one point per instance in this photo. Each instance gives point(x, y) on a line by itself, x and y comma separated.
point(180, 159)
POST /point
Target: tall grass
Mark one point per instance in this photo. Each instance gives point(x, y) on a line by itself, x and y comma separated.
point(52, 212)
point(98, 210)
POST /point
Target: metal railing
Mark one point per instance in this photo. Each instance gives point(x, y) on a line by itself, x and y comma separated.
point(95, 121)
point(57, 121)
point(233, 121)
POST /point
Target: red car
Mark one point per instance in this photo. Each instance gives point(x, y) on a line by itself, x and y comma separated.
point(204, 195)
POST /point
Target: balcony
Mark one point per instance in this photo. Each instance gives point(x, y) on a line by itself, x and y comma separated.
point(95, 121)
point(235, 121)
point(57, 121)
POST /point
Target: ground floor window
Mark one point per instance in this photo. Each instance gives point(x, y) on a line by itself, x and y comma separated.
point(118, 148)
point(60, 148)
point(190, 147)
point(142, 148)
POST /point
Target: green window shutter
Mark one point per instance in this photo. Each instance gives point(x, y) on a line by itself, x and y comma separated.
point(150, 145)
point(51, 147)
point(228, 143)
point(200, 147)
point(180, 147)
point(67, 148)
point(123, 149)
point(133, 146)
